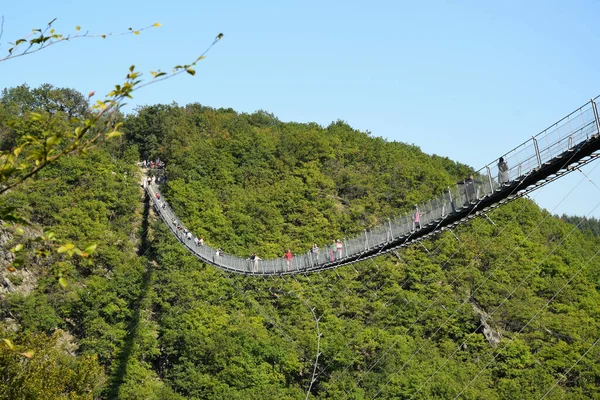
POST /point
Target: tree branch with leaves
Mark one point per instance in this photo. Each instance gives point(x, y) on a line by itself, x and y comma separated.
point(41, 137)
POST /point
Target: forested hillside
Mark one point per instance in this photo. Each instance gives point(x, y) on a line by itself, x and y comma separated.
point(588, 225)
point(503, 308)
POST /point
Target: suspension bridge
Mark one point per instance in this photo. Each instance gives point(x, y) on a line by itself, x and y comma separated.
point(566, 145)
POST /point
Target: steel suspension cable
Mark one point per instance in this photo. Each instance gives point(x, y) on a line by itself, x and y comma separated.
point(489, 276)
point(528, 322)
point(430, 305)
point(564, 376)
point(426, 283)
point(566, 163)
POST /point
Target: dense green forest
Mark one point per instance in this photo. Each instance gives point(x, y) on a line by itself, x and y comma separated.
point(502, 310)
point(589, 225)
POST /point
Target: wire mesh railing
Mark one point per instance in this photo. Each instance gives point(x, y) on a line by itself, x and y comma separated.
point(557, 141)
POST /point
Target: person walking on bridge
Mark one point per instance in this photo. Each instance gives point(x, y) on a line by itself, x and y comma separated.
point(332, 251)
point(315, 252)
point(416, 219)
point(217, 256)
point(288, 259)
point(469, 189)
point(502, 171)
point(254, 259)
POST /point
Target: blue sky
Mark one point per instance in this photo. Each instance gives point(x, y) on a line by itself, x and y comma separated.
point(467, 80)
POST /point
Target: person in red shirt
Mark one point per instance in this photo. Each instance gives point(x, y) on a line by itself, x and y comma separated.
point(288, 257)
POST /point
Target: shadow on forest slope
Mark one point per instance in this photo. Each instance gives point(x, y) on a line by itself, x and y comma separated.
point(118, 376)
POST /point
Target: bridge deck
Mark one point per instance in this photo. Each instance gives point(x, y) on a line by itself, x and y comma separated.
point(571, 142)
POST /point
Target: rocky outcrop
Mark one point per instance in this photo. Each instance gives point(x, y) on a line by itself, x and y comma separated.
point(492, 335)
point(12, 281)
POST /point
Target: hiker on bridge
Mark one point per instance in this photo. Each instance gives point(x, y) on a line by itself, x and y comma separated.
point(502, 171)
point(332, 251)
point(470, 190)
point(217, 256)
point(315, 252)
point(416, 219)
point(254, 259)
point(288, 259)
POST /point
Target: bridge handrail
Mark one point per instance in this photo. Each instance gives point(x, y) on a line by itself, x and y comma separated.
point(559, 140)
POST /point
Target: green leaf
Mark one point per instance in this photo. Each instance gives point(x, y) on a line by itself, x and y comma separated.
point(9, 343)
point(52, 141)
point(191, 71)
point(157, 24)
point(62, 282)
point(35, 116)
point(66, 247)
point(113, 134)
point(17, 248)
point(42, 253)
point(90, 249)
point(20, 230)
point(77, 28)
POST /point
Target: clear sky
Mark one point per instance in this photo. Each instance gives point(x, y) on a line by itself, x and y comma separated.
point(468, 80)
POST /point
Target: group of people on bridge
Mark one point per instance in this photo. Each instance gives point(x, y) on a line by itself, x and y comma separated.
point(470, 191)
point(156, 164)
point(334, 251)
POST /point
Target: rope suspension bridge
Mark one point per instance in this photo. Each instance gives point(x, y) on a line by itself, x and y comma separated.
point(563, 147)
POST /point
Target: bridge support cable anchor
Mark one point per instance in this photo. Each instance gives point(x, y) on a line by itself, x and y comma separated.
point(489, 219)
point(454, 234)
point(397, 255)
point(588, 178)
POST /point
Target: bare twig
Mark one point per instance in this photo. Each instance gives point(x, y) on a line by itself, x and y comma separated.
point(1, 28)
point(313, 378)
point(58, 38)
point(113, 101)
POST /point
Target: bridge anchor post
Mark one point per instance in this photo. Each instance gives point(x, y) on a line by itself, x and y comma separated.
point(490, 179)
point(570, 141)
point(595, 108)
point(537, 151)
